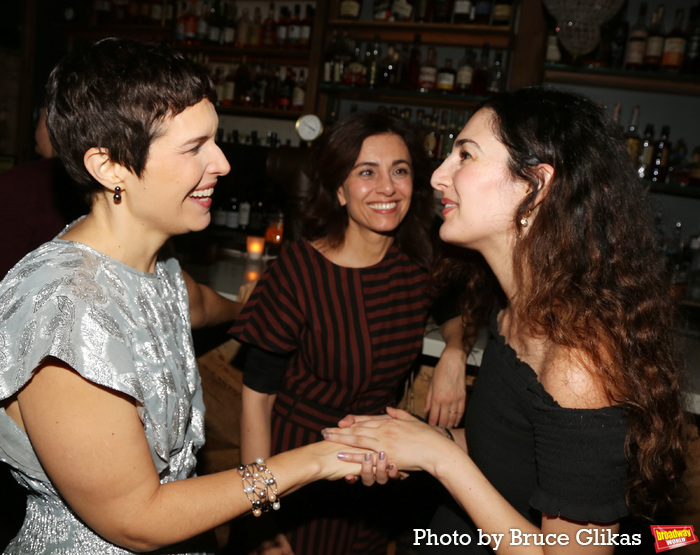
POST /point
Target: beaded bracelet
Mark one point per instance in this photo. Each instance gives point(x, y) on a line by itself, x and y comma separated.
point(259, 486)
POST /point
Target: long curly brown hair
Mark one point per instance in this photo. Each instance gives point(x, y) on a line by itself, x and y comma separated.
point(590, 277)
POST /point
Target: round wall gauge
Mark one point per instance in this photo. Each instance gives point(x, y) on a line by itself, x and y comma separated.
point(309, 127)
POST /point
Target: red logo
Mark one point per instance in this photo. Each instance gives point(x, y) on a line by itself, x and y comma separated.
point(671, 537)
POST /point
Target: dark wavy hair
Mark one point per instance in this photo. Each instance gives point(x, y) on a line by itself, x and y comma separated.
point(590, 277)
point(114, 95)
point(334, 158)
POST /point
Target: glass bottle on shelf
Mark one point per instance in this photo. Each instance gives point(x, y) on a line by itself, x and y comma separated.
point(482, 12)
point(243, 81)
point(286, 90)
point(228, 31)
point(647, 153)
point(414, 62)
point(553, 54)
point(481, 68)
point(446, 77)
point(691, 59)
point(674, 45)
point(373, 70)
point(350, 9)
point(355, 72)
point(637, 41)
point(215, 23)
point(269, 28)
point(306, 25)
point(381, 10)
point(329, 59)
point(255, 28)
point(232, 215)
point(424, 11)
point(502, 13)
point(465, 72)
point(294, 32)
point(659, 166)
point(427, 78)
point(402, 10)
point(283, 26)
point(299, 91)
point(228, 96)
point(634, 141)
point(463, 12)
point(442, 11)
point(496, 75)
point(242, 28)
point(655, 41)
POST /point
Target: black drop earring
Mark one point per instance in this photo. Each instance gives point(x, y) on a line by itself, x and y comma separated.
point(117, 195)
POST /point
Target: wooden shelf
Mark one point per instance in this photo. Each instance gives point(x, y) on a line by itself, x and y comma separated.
point(400, 96)
point(646, 81)
point(254, 112)
point(439, 34)
point(676, 190)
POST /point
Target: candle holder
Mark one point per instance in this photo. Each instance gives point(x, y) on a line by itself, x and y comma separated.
point(255, 247)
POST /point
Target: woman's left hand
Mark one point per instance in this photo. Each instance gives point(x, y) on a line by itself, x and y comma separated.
point(447, 394)
point(409, 443)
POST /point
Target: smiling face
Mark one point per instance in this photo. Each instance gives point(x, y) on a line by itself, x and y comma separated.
point(174, 193)
point(377, 192)
point(479, 196)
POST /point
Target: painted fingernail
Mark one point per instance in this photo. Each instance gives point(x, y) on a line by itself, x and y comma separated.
point(368, 457)
point(341, 456)
point(382, 455)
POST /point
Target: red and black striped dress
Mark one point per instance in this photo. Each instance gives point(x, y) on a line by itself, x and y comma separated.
point(354, 334)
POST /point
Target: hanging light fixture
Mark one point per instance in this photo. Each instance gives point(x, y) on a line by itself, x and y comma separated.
point(579, 22)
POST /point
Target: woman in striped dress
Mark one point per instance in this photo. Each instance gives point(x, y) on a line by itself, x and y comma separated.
point(336, 325)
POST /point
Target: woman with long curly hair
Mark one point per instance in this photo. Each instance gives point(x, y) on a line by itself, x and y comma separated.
point(576, 418)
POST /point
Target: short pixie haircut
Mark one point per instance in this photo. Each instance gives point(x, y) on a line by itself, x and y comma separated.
point(114, 95)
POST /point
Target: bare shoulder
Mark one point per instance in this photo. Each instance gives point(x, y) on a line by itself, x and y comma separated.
point(570, 379)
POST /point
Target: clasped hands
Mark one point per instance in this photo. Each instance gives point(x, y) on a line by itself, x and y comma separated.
point(397, 442)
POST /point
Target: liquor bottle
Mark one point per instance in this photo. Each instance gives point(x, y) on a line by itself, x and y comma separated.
point(381, 11)
point(442, 11)
point(463, 12)
point(637, 41)
point(202, 23)
point(427, 77)
point(283, 26)
point(216, 23)
point(255, 28)
point(553, 54)
point(674, 46)
point(430, 137)
point(373, 69)
point(634, 141)
point(299, 91)
point(272, 90)
point(232, 214)
point(390, 68)
point(441, 134)
point(269, 28)
point(229, 87)
point(156, 13)
point(465, 72)
point(691, 61)
point(286, 91)
point(228, 29)
point(413, 64)
point(294, 31)
point(449, 140)
point(402, 10)
point(424, 10)
point(659, 165)
point(496, 75)
point(329, 59)
point(242, 28)
point(306, 26)
point(481, 68)
point(502, 13)
point(446, 78)
point(350, 9)
point(647, 154)
point(243, 80)
point(482, 12)
point(655, 41)
point(355, 73)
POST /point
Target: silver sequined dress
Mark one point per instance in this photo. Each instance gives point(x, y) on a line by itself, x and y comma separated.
point(118, 327)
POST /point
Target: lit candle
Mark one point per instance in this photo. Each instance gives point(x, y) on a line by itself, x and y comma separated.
point(255, 247)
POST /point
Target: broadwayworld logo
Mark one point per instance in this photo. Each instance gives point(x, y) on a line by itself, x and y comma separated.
point(670, 537)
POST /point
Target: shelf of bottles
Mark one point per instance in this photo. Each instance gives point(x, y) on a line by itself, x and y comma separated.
point(258, 51)
point(440, 54)
point(641, 55)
